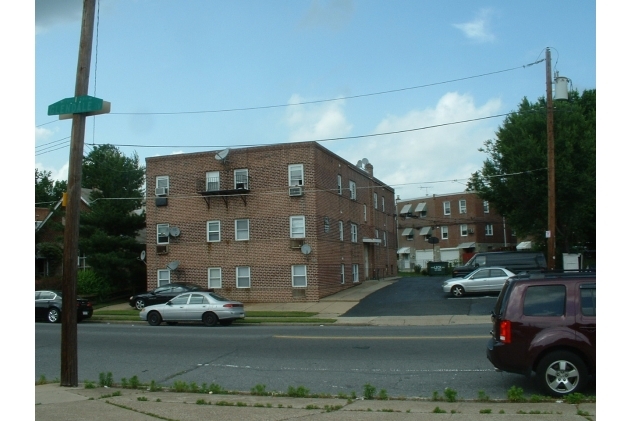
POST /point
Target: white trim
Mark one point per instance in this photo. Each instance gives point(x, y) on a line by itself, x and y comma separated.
point(295, 276)
point(249, 277)
point(237, 230)
point(218, 231)
point(297, 233)
point(214, 279)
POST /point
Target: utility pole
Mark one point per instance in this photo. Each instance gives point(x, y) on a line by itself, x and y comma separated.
point(551, 233)
point(69, 361)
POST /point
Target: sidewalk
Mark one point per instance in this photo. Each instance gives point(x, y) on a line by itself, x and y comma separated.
point(55, 403)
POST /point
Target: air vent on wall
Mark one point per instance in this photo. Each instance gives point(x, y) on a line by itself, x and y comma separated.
point(162, 249)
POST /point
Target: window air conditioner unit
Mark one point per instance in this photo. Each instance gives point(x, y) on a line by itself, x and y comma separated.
point(296, 191)
point(470, 231)
point(240, 186)
point(295, 243)
point(163, 249)
point(161, 191)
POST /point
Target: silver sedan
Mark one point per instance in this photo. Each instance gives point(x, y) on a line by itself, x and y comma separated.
point(206, 307)
point(488, 279)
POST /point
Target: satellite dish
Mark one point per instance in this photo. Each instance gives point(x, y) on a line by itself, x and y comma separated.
point(305, 249)
point(174, 231)
point(221, 156)
point(433, 240)
point(364, 161)
point(173, 265)
point(359, 163)
point(143, 254)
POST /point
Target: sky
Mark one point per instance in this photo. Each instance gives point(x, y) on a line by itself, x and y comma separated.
point(415, 87)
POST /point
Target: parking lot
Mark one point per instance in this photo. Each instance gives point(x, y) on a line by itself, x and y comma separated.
point(421, 296)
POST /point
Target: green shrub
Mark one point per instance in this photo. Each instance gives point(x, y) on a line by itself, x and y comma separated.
point(180, 386)
point(300, 392)
point(89, 283)
point(259, 390)
point(383, 395)
point(134, 382)
point(450, 394)
point(515, 394)
point(417, 268)
point(369, 391)
point(106, 379)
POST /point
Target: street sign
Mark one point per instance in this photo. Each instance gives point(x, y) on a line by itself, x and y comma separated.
point(76, 105)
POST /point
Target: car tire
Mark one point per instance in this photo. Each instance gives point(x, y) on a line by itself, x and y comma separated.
point(457, 291)
point(139, 304)
point(561, 373)
point(209, 319)
point(154, 318)
point(225, 322)
point(54, 315)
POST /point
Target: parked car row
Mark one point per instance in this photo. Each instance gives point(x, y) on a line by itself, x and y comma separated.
point(48, 307)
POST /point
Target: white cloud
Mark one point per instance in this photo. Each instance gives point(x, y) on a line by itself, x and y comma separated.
point(422, 158)
point(42, 134)
point(478, 29)
point(60, 174)
point(313, 122)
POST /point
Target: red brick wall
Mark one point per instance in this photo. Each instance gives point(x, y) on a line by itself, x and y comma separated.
point(268, 207)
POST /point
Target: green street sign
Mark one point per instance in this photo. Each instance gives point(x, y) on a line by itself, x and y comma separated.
point(76, 105)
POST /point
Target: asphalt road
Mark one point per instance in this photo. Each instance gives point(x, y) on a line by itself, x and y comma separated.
point(421, 296)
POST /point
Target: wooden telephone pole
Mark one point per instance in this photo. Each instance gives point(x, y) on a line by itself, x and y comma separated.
point(69, 361)
point(551, 175)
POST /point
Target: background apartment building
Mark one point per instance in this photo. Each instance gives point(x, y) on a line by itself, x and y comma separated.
point(279, 223)
point(462, 222)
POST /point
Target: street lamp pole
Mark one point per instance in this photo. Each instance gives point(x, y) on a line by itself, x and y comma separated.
point(551, 233)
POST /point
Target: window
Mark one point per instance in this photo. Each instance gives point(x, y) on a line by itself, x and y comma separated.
point(299, 276)
point(375, 201)
point(241, 179)
point(243, 277)
point(181, 300)
point(383, 204)
point(164, 277)
point(488, 230)
point(384, 239)
point(446, 208)
point(341, 227)
point(197, 299)
point(163, 233)
point(214, 277)
point(463, 205)
point(296, 175)
point(464, 231)
point(342, 273)
point(297, 227)
point(214, 231)
point(485, 206)
point(444, 233)
point(365, 213)
point(242, 229)
point(162, 185)
point(355, 272)
point(339, 184)
point(353, 189)
point(327, 226)
point(376, 233)
point(353, 233)
point(212, 181)
point(546, 300)
point(588, 300)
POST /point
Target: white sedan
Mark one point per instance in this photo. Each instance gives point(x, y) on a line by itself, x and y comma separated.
point(206, 307)
point(488, 279)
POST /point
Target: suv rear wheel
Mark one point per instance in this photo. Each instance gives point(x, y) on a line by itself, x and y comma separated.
point(561, 373)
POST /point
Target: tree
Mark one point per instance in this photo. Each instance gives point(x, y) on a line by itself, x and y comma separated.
point(514, 177)
point(47, 191)
point(108, 232)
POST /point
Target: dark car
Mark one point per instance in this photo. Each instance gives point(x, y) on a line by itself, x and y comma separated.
point(162, 294)
point(515, 261)
point(48, 307)
point(546, 324)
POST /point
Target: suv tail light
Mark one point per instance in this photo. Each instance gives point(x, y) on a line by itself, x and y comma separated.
point(505, 332)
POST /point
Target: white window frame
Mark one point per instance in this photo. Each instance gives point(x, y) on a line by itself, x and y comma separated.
point(376, 233)
point(218, 231)
point(464, 230)
point(210, 177)
point(355, 273)
point(353, 189)
point(164, 228)
point(488, 229)
point(163, 181)
point(164, 277)
point(375, 201)
point(241, 275)
point(385, 237)
point(214, 281)
point(353, 233)
point(365, 213)
point(342, 281)
point(341, 228)
point(327, 224)
point(444, 232)
point(238, 230)
point(462, 204)
point(485, 206)
point(297, 278)
point(339, 184)
point(383, 204)
point(446, 208)
point(239, 174)
point(297, 232)
point(294, 180)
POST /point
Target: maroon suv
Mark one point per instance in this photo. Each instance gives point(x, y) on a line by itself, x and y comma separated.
point(546, 323)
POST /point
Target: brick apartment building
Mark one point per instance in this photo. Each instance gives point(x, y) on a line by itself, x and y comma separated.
point(463, 223)
point(290, 222)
